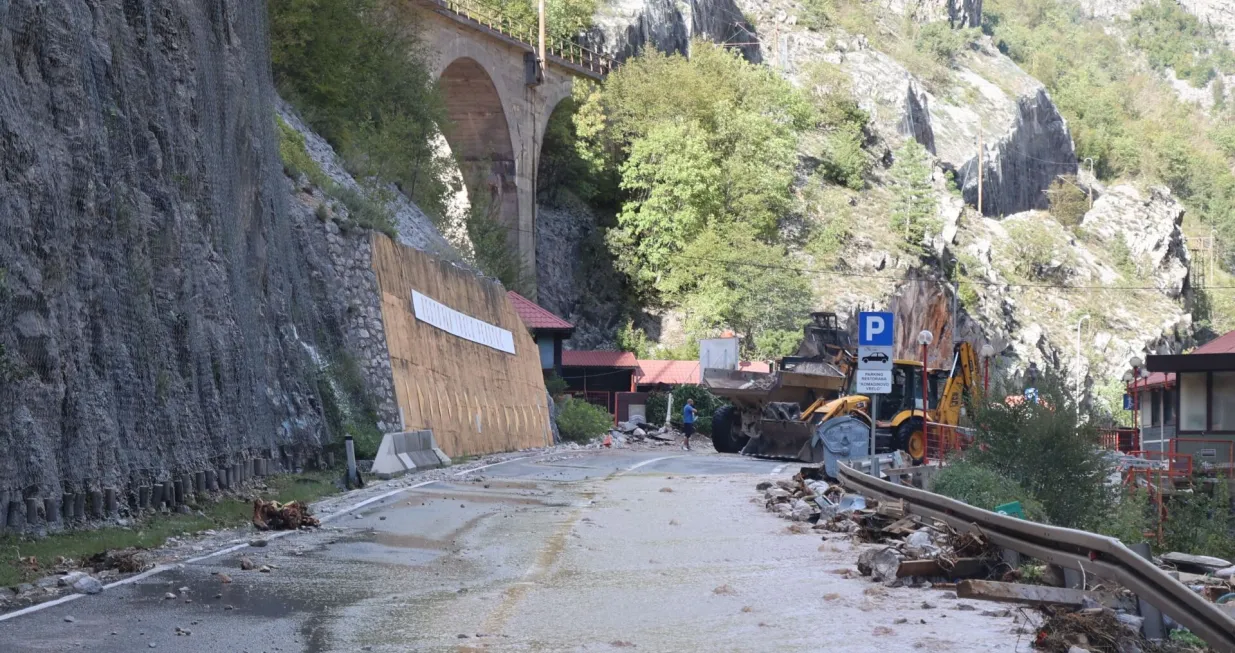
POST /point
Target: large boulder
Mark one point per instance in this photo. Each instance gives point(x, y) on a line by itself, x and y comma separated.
point(624, 28)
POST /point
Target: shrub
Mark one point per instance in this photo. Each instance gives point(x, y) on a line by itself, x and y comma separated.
point(983, 487)
point(705, 402)
point(555, 385)
point(1047, 449)
point(1068, 202)
point(580, 421)
point(1129, 518)
point(1200, 522)
point(1039, 253)
point(942, 42)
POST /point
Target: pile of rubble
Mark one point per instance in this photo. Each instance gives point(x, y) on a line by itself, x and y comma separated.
point(275, 516)
point(899, 549)
point(637, 430)
point(69, 575)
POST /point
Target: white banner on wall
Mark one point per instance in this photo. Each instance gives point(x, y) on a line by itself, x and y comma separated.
point(431, 311)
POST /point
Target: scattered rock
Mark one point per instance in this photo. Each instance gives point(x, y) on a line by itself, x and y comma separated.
point(965, 607)
point(747, 608)
point(617, 643)
point(724, 589)
point(183, 590)
point(265, 569)
point(763, 486)
point(882, 631)
point(229, 607)
point(69, 620)
point(927, 605)
point(68, 579)
point(224, 578)
point(900, 620)
point(882, 564)
point(462, 636)
point(258, 543)
point(666, 489)
point(246, 564)
point(382, 518)
point(831, 596)
point(47, 582)
point(169, 596)
point(88, 585)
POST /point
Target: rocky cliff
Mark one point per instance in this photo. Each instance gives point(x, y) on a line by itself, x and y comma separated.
point(164, 309)
point(624, 28)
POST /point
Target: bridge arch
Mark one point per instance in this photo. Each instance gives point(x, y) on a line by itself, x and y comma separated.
point(480, 137)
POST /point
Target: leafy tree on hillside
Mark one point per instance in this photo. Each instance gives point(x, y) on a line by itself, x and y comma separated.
point(913, 199)
point(356, 71)
point(1174, 38)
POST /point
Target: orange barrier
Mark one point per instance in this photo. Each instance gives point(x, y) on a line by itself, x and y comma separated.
point(1177, 465)
point(1123, 440)
point(943, 441)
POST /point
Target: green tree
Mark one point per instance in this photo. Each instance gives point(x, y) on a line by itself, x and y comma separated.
point(1068, 202)
point(579, 421)
point(913, 199)
point(494, 253)
point(730, 279)
point(1047, 449)
point(943, 43)
point(356, 70)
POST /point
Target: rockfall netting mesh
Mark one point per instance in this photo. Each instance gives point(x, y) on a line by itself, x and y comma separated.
point(160, 322)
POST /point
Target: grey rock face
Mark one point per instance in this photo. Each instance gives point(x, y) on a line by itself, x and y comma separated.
point(959, 13)
point(1149, 225)
point(1020, 165)
point(161, 300)
point(625, 28)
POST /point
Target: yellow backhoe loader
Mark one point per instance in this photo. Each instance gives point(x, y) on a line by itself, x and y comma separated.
point(786, 430)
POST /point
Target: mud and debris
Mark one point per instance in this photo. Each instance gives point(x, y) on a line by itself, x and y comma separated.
point(275, 516)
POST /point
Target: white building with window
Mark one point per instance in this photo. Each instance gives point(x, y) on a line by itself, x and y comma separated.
point(1187, 404)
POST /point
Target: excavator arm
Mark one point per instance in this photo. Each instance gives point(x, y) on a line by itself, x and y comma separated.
point(964, 378)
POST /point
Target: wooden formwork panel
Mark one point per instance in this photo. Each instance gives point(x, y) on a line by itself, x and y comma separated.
point(474, 398)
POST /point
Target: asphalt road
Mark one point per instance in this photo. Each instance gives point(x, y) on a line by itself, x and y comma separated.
point(599, 551)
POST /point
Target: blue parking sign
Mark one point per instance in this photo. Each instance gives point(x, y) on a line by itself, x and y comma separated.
point(875, 329)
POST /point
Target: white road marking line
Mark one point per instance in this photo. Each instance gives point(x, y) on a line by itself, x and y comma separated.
point(777, 470)
point(158, 569)
point(36, 608)
point(649, 462)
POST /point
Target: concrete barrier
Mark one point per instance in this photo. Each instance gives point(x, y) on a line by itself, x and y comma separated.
point(404, 452)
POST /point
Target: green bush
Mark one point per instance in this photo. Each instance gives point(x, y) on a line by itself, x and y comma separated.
point(1068, 202)
point(580, 421)
point(555, 385)
point(1200, 522)
point(942, 42)
point(1047, 449)
point(706, 404)
point(983, 487)
point(1129, 517)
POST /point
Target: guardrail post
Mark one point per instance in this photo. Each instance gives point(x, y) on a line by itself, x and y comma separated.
point(1152, 627)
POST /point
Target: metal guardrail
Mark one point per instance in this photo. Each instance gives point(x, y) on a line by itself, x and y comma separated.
point(565, 52)
point(1086, 552)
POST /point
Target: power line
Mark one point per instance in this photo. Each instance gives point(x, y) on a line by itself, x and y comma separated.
point(884, 277)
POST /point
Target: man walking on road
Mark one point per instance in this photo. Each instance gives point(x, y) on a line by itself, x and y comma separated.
point(688, 421)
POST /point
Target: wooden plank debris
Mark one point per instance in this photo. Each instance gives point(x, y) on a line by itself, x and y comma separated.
point(934, 567)
point(1035, 595)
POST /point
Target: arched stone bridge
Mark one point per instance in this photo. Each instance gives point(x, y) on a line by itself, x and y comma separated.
point(499, 106)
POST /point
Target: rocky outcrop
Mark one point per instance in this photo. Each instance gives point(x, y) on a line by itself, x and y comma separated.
point(170, 301)
point(1148, 227)
point(958, 13)
point(1035, 150)
point(1217, 14)
point(575, 277)
point(625, 28)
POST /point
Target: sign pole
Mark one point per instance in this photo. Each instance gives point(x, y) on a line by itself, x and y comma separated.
point(874, 412)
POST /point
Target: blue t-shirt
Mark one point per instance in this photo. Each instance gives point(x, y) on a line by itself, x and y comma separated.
point(688, 414)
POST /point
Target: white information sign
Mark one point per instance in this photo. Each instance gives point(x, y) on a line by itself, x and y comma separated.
point(433, 312)
point(874, 381)
point(871, 357)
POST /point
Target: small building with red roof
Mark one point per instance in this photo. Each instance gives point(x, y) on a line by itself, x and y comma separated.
point(548, 330)
point(1187, 402)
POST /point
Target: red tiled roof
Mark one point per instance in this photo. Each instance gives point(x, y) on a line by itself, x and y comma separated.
point(755, 366)
point(1224, 344)
point(1221, 345)
point(668, 372)
point(535, 317)
point(576, 358)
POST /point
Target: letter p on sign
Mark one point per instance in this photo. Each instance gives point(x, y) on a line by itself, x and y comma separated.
point(875, 329)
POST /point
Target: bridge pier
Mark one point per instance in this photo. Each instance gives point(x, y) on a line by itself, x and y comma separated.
point(498, 119)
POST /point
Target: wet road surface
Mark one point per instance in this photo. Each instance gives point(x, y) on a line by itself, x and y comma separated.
point(597, 551)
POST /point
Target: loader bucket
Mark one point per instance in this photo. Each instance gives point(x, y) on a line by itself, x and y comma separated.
point(786, 439)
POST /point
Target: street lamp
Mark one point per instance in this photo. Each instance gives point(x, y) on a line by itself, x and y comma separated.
point(988, 352)
point(924, 338)
point(1136, 363)
point(1079, 323)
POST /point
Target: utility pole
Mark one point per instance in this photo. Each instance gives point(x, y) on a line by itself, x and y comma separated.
point(543, 61)
point(980, 213)
point(1090, 160)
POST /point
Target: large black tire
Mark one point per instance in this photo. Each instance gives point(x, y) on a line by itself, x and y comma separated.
point(724, 436)
point(911, 438)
